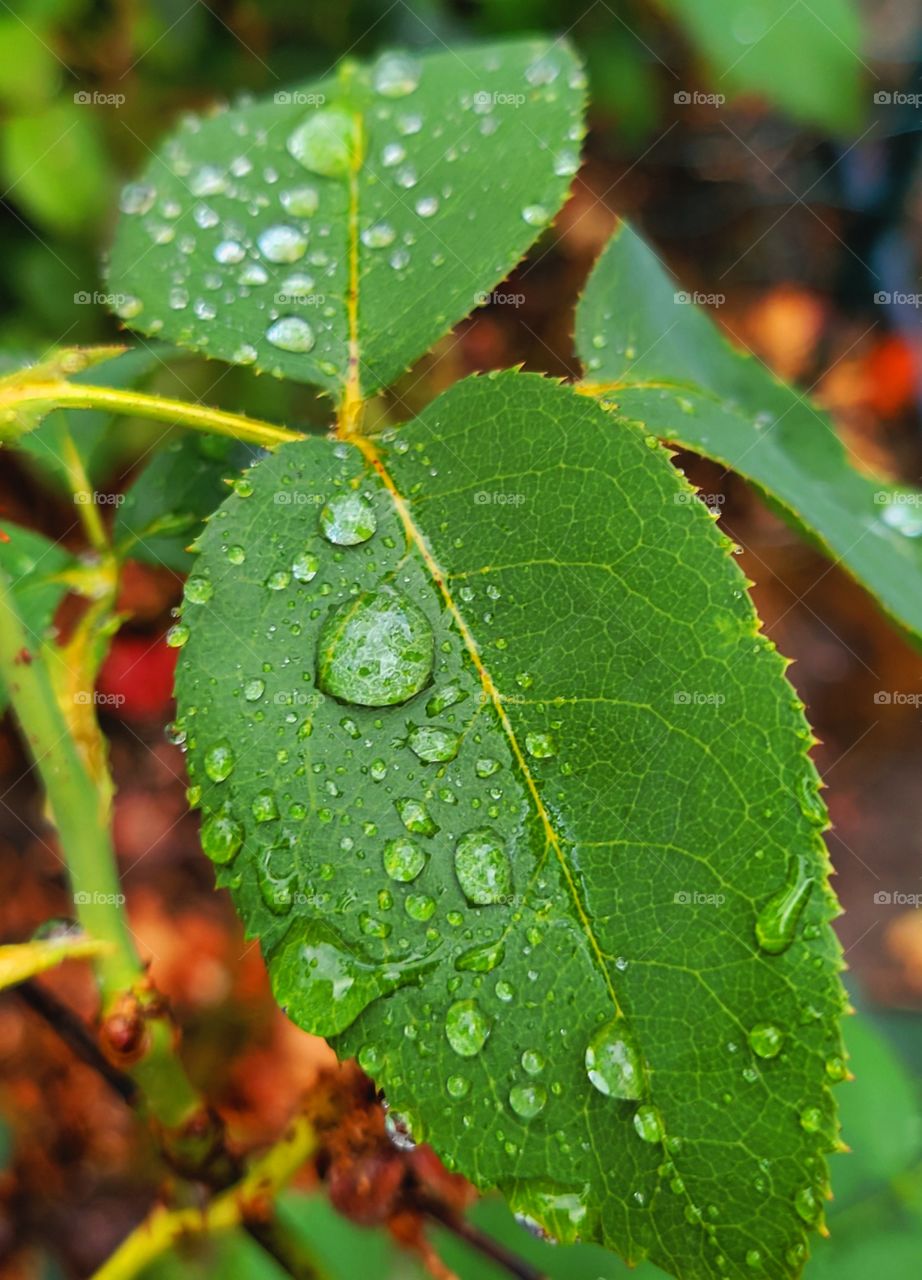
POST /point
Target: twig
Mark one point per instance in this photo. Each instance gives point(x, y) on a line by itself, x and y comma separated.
point(484, 1244)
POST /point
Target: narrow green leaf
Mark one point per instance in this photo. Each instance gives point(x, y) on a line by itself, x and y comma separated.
point(332, 233)
point(522, 863)
point(23, 960)
point(657, 359)
point(805, 57)
point(36, 568)
point(181, 485)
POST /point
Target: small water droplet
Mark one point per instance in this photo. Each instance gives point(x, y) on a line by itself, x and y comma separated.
point(482, 867)
point(305, 566)
point(806, 1204)
point(648, 1124)
point(396, 75)
point(300, 201)
point(766, 1039)
point(291, 333)
point(777, 921)
point(403, 860)
point(535, 215)
point(219, 761)
point(466, 1027)
point(419, 906)
point(540, 745)
point(348, 519)
point(137, 197)
point(481, 959)
point(177, 635)
point(378, 236)
point(528, 1100)
point(433, 744)
point(612, 1062)
point(328, 142)
point(282, 243)
point(221, 836)
point(811, 1119)
point(458, 1086)
point(254, 689)
point(416, 817)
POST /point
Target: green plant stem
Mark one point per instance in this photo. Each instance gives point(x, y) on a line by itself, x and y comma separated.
point(197, 417)
point(250, 1199)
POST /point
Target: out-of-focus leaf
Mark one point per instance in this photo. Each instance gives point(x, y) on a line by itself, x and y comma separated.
point(26, 959)
point(36, 568)
point(181, 485)
point(55, 166)
point(806, 57)
point(657, 359)
point(29, 70)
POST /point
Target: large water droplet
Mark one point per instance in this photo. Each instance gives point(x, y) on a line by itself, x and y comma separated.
point(403, 860)
point(777, 921)
point(291, 333)
point(348, 519)
point(482, 867)
point(328, 142)
point(612, 1061)
point(375, 650)
point(467, 1027)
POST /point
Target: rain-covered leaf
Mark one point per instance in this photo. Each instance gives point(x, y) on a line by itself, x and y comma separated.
point(36, 569)
point(498, 767)
point(660, 361)
point(165, 506)
point(23, 960)
point(805, 57)
point(332, 233)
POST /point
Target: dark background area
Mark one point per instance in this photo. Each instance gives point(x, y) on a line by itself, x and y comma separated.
point(797, 222)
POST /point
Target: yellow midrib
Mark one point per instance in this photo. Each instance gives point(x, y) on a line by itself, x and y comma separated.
point(414, 535)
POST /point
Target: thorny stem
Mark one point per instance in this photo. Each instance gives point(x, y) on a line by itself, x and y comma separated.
point(198, 417)
point(247, 1201)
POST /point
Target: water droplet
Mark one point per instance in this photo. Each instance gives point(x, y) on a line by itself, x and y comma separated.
point(348, 519)
point(177, 635)
point(486, 767)
point(458, 1086)
point(416, 817)
point(328, 142)
point(207, 180)
point(481, 959)
point(811, 804)
point(806, 1204)
point(532, 1062)
point(221, 836)
point(836, 1069)
point(254, 689)
point(264, 807)
point(393, 154)
point(219, 761)
point(811, 1119)
point(137, 197)
point(648, 1124)
point(612, 1062)
point(128, 306)
point(427, 206)
point(535, 215)
point(305, 566)
point(291, 333)
point(278, 580)
point(403, 860)
point(378, 236)
point(300, 201)
point(282, 244)
point(276, 891)
point(419, 906)
point(753, 1258)
point(445, 698)
point(527, 1100)
point(766, 1039)
point(229, 252)
point(482, 867)
point(375, 650)
point(467, 1027)
point(777, 921)
point(432, 744)
point(395, 75)
point(235, 554)
point(540, 745)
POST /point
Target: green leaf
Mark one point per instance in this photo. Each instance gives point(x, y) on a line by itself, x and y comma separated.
point(23, 960)
point(55, 166)
point(805, 57)
point(658, 360)
point(332, 233)
point(165, 506)
point(37, 571)
point(548, 860)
